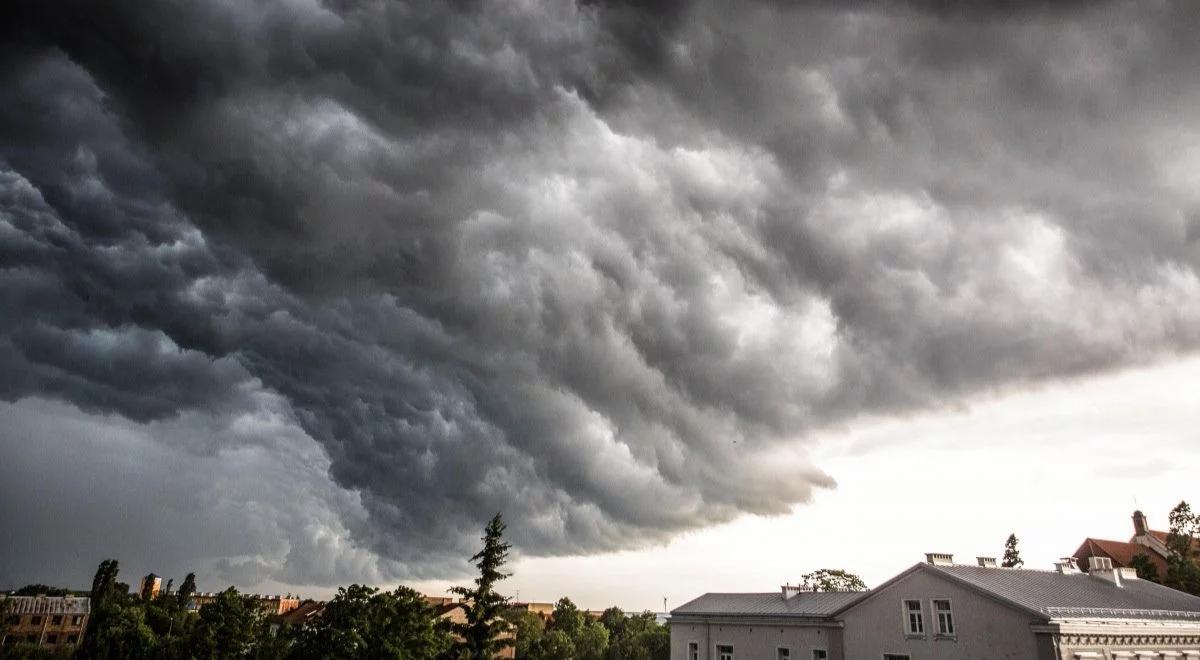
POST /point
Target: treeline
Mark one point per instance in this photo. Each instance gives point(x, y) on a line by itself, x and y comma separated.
point(571, 634)
point(360, 622)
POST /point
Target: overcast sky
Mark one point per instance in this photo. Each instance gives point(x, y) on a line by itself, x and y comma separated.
point(701, 295)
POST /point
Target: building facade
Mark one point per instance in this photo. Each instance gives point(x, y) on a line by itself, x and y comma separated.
point(941, 610)
point(49, 622)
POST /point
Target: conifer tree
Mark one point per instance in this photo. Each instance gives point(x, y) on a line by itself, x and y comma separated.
point(1012, 554)
point(480, 635)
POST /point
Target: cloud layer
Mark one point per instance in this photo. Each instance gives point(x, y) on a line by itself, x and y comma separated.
point(601, 266)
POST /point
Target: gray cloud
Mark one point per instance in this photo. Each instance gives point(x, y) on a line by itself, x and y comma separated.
point(600, 266)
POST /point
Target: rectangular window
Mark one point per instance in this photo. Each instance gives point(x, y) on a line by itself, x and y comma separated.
point(914, 618)
point(51, 638)
point(35, 620)
point(71, 639)
point(783, 654)
point(724, 652)
point(896, 656)
point(693, 651)
point(820, 654)
point(77, 620)
point(13, 620)
point(945, 618)
point(56, 620)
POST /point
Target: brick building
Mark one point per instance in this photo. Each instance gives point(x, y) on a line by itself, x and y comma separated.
point(47, 621)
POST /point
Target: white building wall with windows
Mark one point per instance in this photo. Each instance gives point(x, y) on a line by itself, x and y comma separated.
point(983, 628)
point(761, 639)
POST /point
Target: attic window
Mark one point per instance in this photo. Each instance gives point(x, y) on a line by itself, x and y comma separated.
point(914, 618)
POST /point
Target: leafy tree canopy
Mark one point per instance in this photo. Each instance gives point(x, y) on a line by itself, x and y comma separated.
point(832, 579)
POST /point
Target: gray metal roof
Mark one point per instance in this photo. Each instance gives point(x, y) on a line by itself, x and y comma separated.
point(1078, 595)
point(802, 605)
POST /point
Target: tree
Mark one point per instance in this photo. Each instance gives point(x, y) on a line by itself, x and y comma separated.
point(480, 635)
point(528, 629)
point(641, 638)
point(1012, 554)
point(1182, 571)
point(1146, 569)
point(832, 579)
point(567, 618)
point(363, 622)
point(121, 632)
point(613, 618)
point(591, 643)
point(104, 604)
point(228, 627)
point(184, 595)
point(556, 645)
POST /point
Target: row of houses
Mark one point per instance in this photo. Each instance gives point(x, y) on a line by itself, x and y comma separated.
point(940, 609)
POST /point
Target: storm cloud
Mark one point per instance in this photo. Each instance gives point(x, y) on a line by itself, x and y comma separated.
point(603, 266)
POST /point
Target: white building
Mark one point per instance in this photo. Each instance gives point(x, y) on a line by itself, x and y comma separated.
point(942, 610)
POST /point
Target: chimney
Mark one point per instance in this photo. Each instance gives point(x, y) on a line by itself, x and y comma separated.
point(1102, 568)
point(789, 591)
point(1128, 573)
point(1066, 566)
point(1139, 524)
point(939, 559)
point(986, 562)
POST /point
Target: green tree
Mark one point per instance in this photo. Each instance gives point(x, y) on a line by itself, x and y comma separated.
point(1012, 554)
point(641, 638)
point(228, 627)
point(184, 595)
point(480, 636)
point(105, 603)
point(832, 579)
point(1146, 569)
point(1182, 571)
point(556, 645)
point(567, 618)
point(363, 622)
point(613, 619)
point(528, 629)
point(121, 633)
point(591, 643)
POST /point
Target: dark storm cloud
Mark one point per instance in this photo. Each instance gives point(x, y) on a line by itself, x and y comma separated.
point(601, 266)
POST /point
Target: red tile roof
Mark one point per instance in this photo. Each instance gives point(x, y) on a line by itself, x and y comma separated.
point(1119, 552)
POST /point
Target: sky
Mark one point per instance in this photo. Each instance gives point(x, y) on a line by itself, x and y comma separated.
point(698, 295)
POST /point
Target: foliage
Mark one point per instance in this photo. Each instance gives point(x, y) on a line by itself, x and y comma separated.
point(528, 628)
point(120, 632)
point(832, 579)
point(1146, 569)
point(479, 638)
point(228, 627)
point(362, 622)
point(186, 590)
point(567, 618)
point(1012, 554)
point(1182, 571)
point(27, 651)
point(640, 638)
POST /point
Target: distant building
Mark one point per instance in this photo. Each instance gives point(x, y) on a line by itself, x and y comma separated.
point(543, 610)
point(48, 621)
point(1145, 541)
point(149, 587)
point(942, 610)
point(271, 605)
point(456, 612)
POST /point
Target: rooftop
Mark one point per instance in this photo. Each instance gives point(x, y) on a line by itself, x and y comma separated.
point(806, 604)
point(1078, 595)
point(47, 604)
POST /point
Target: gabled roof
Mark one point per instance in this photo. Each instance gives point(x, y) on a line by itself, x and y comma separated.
point(802, 605)
point(1121, 553)
point(1053, 595)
